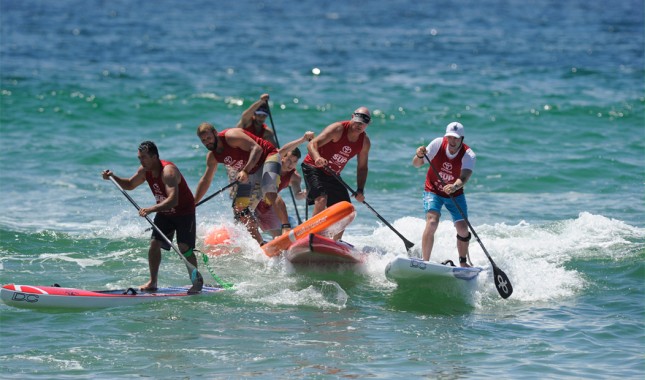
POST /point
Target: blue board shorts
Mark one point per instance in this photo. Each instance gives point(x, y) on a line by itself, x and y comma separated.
point(433, 202)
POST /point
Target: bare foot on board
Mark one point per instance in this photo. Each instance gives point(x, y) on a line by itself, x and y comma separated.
point(148, 287)
point(195, 289)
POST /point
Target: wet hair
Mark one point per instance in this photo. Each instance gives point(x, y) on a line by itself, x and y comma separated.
point(296, 152)
point(149, 147)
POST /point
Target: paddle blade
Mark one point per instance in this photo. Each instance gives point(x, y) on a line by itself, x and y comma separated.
point(408, 244)
point(502, 283)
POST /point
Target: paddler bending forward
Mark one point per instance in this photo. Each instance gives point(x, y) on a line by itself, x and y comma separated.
point(266, 214)
point(257, 164)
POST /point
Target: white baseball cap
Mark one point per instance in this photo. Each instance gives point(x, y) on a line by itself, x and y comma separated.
point(455, 129)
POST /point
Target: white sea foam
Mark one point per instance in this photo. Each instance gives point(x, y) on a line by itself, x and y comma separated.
point(536, 258)
point(539, 259)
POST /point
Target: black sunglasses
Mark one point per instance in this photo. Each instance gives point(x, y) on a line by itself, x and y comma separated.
point(364, 118)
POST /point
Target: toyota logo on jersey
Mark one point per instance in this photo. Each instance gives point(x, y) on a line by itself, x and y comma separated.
point(160, 196)
point(346, 150)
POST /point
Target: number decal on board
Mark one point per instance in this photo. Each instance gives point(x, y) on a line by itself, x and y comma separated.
point(417, 264)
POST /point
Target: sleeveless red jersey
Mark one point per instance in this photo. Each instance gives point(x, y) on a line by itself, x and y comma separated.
point(186, 205)
point(284, 183)
point(338, 153)
point(449, 169)
point(237, 158)
point(262, 131)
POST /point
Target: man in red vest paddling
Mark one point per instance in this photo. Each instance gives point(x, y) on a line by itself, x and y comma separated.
point(257, 165)
point(253, 120)
point(175, 207)
point(455, 162)
point(331, 150)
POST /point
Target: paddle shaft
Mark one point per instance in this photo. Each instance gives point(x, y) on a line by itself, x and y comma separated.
point(218, 192)
point(191, 267)
point(408, 244)
point(275, 133)
point(504, 287)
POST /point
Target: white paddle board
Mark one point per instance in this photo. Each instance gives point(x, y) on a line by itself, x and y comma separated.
point(406, 269)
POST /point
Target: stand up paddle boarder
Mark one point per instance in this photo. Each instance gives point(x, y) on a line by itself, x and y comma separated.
point(175, 207)
point(257, 165)
point(455, 162)
point(331, 150)
point(254, 120)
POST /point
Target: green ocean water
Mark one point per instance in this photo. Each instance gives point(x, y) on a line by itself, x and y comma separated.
point(552, 98)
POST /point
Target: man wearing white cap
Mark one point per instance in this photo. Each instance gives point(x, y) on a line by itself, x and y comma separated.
point(455, 162)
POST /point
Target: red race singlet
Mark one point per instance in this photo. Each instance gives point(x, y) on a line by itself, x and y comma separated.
point(338, 153)
point(237, 158)
point(186, 204)
point(449, 169)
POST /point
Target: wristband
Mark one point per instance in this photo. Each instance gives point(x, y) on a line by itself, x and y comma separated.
point(286, 225)
point(421, 157)
point(359, 190)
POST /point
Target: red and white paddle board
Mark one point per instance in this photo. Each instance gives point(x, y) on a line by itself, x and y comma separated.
point(317, 249)
point(37, 297)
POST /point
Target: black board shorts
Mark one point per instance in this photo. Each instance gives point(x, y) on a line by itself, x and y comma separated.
point(184, 225)
point(320, 183)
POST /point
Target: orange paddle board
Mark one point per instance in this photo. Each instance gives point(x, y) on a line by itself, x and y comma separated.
point(328, 222)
